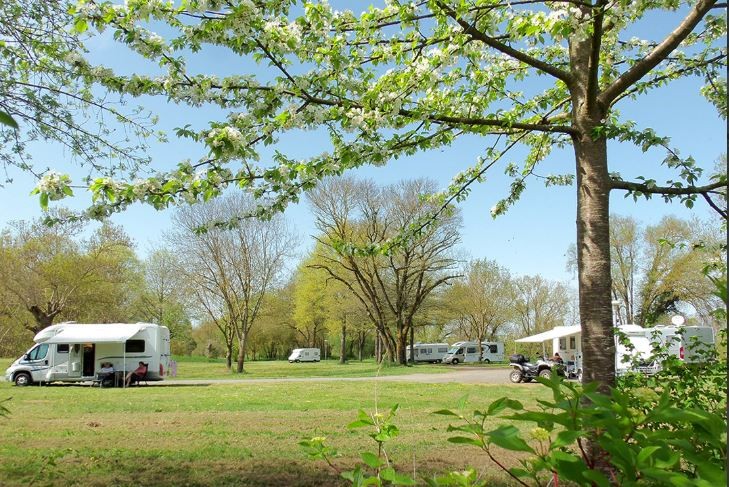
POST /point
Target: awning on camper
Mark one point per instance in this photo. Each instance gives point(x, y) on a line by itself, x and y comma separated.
point(111, 333)
point(556, 332)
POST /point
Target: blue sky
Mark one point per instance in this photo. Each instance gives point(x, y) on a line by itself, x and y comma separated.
point(532, 238)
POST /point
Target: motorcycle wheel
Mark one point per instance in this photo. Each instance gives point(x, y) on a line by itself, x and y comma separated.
point(516, 376)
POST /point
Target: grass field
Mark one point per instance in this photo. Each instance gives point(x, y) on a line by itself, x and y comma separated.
point(228, 434)
point(201, 368)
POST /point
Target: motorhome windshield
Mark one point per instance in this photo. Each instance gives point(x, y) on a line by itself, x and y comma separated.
point(453, 350)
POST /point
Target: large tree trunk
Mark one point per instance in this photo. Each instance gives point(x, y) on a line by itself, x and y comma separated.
point(593, 261)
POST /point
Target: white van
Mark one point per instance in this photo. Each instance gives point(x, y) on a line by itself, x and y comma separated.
point(72, 352)
point(492, 352)
point(461, 353)
point(304, 355)
point(428, 352)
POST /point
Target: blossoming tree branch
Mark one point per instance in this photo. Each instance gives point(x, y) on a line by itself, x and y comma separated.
point(405, 77)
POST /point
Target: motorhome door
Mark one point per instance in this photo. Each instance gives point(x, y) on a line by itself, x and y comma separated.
point(75, 358)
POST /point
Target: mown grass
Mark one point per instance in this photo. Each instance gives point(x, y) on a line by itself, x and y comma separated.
point(228, 434)
point(199, 368)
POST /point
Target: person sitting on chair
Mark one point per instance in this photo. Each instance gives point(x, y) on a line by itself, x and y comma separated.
point(137, 374)
point(105, 374)
point(557, 358)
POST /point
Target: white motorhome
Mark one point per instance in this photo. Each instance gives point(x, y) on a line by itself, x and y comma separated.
point(304, 355)
point(566, 340)
point(467, 352)
point(686, 343)
point(428, 352)
point(72, 352)
point(492, 352)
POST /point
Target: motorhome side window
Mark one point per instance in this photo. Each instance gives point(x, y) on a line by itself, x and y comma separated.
point(442, 350)
point(471, 350)
point(38, 352)
point(134, 346)
point(62, 348)
point(492, 348)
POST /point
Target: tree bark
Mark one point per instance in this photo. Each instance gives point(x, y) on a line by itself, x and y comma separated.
point(241, 353)
point(343, 344)
point(593, 257)
point(412, 344)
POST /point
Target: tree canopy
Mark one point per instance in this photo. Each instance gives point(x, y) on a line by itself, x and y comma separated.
point(400, 78)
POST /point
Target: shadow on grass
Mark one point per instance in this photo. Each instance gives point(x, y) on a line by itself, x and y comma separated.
point(127, 471)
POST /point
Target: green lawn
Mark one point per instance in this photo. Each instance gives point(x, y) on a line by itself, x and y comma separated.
point(228, 434)
point(200, 368)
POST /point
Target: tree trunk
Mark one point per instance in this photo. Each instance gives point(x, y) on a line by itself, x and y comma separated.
point(378, 347)
point(43, 320)
point(361, 340)
point(229, 356)
point(593, 260)
point(343, 344)
point(412, 344)
point(241, 353)
point(401, 345)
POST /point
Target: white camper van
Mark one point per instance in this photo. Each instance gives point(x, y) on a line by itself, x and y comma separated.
point(686, 343)
point(492, 352)
point(305, 355)
point(428, 352)
point(72, 352)
point(467, 352)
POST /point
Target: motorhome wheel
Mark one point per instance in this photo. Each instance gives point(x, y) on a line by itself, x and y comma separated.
point(487, 361)
point(516, 376)
point(454, 361)
point(545, 373)
point(23, 379)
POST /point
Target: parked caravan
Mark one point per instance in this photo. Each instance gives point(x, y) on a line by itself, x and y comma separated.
point(428, 352)
point(305, 355)
point(686, 343)
point(682, 342)
point(461, 352)
point(72, 352)
point(492, 352)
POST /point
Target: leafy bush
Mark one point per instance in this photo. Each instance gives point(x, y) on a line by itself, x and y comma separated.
point(645, 438)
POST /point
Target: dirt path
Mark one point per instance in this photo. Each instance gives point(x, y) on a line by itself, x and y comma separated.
point(460, 374)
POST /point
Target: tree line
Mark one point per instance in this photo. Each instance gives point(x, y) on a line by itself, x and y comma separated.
point(240, 292)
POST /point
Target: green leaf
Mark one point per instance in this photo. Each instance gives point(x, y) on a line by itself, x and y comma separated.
point(44, 201)
point(389, 474)
point(503, 403)
point(6, 119)
point(646, 453)
point(463, 440)
point(507, 437)
point(446, 412)
point(370, 459)
point(566, 438)
point(596, 478)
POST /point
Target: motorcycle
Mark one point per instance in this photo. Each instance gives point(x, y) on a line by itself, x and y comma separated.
point(524, 371)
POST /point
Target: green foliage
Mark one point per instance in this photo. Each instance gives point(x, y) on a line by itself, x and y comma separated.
point(45, 91)
point(376, 467)
point(647, 438)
